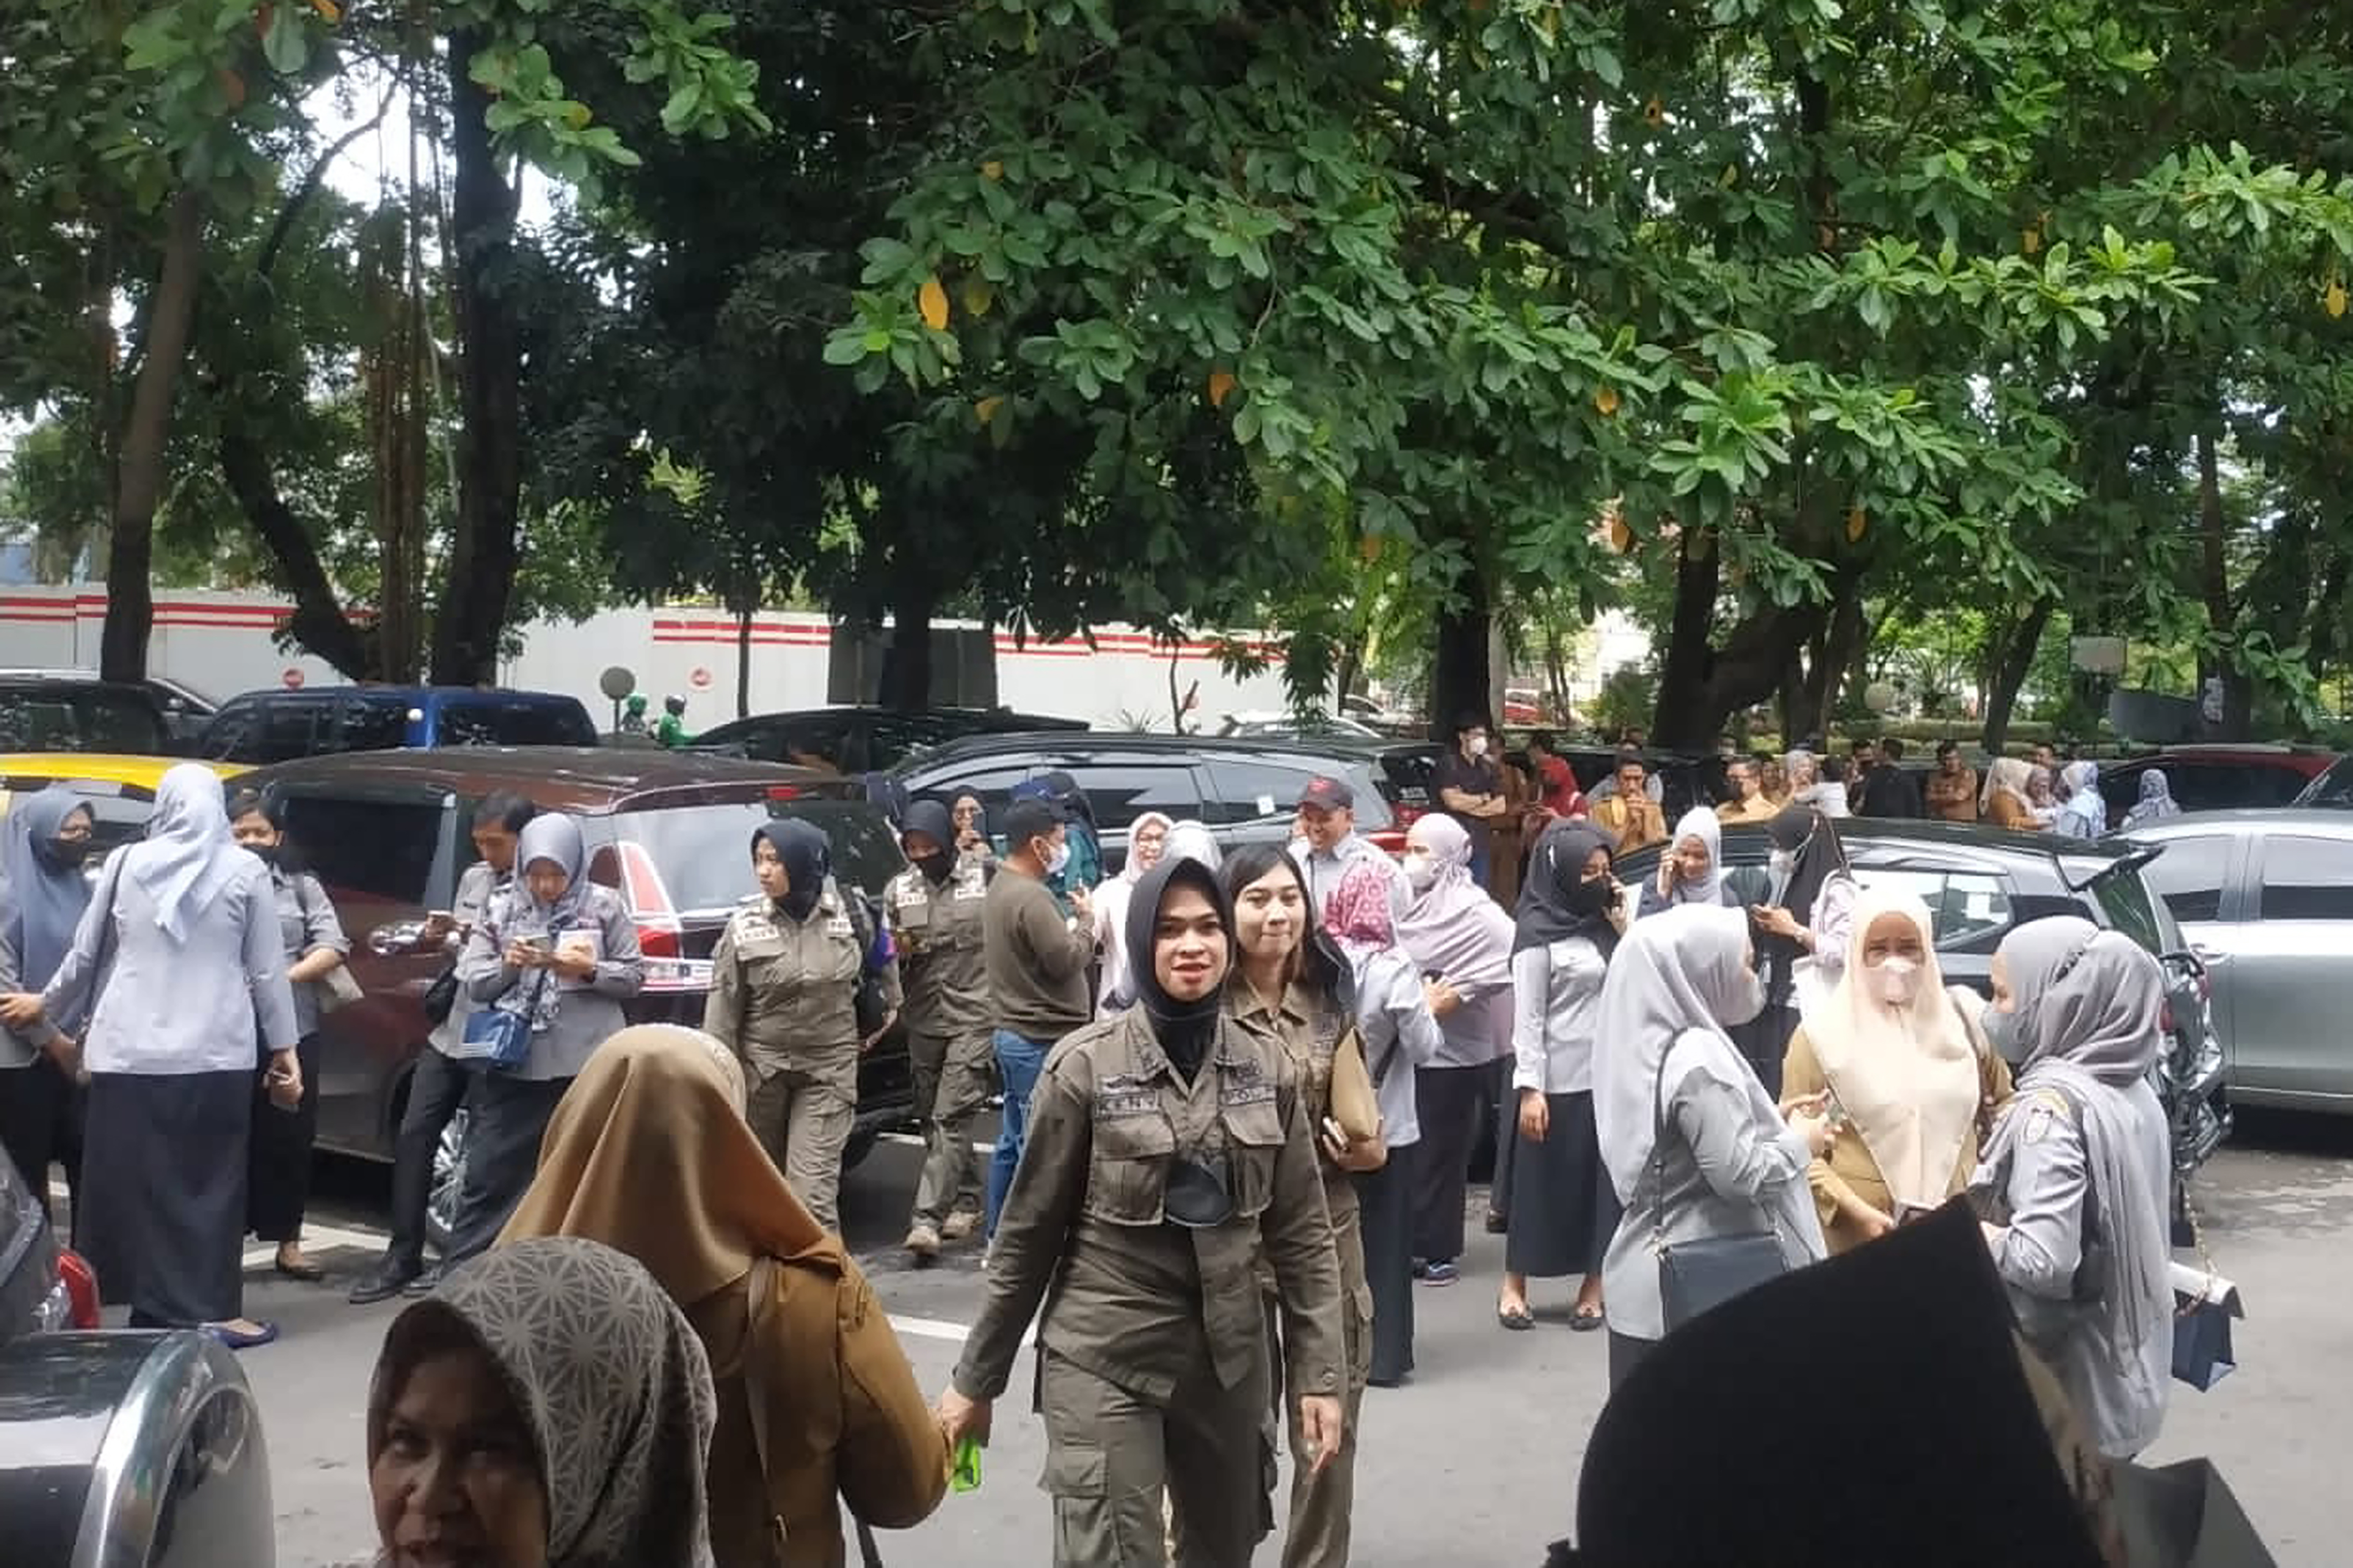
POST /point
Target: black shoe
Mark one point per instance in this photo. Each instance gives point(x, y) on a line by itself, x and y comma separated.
point(423, 1285)
point(385, 1281)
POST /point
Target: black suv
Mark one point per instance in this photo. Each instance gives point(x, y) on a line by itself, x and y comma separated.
point(55, 712)
point(1981, 884)
point(1243, 791)
point(864, 740)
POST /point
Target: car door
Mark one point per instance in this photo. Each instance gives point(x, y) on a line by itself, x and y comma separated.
point(2293, 1018)
point(387, 855)
point(2200, 878)
point(1121, 789)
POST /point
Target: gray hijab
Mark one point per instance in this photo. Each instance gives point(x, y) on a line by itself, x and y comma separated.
point(609, 1377)
point(44, 896)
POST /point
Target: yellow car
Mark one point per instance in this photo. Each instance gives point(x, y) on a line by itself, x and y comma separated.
point(121, 790)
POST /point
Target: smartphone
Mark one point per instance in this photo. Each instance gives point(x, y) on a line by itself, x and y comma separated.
point(537, 941)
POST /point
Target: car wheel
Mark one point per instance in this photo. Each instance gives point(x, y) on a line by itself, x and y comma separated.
point(854, 1152)
point(448, 1176)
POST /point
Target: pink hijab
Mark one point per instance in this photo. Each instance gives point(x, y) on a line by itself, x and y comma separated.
point(1358, 912)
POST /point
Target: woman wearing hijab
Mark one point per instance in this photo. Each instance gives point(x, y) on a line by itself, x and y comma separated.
point(547, 1404)
point(177, 960)
point(1562, 1210)
point(970, 819)
point(783, 996)
point(1691, 868)
point(1801, 931)
point(1147, 840)
point(1391, 1005)
point(2157, 802)
point(1460, 941)
point(2042, 795)
point(278, 1183)
point(937, 909)
point(2010, 795)
point(44, 843)
point(2077, 1174)
point(2083, 811)
point(1192, 841)
point(1286, 985)
point(650, 1154)
point(1694, 1145)
point(1168, 1156)
point(1904, 1067)
point(559, 954)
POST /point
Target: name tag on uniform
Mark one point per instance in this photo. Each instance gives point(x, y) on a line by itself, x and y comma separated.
point(838, 925)
point(756, 936)
point(1126, 1095)
point(971, 882)
point(1244, 1083)
point(913, 911)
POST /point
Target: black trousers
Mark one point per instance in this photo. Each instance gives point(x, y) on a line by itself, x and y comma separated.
point(507, 1118)
point(1384, 1199)
point(436, 1089)
point(277, 1175)
point(40, 1123)
point(1447, 1101)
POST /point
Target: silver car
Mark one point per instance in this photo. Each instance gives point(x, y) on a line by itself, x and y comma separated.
point(2266, 899)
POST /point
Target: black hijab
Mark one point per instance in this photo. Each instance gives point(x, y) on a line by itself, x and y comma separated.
point(1064, 791)
point(1554, 899)
point(1183, 1028)
point(1810, 837)
point(808, 859)
point(931, 818)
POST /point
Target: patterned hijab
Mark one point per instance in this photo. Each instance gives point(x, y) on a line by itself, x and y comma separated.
point(607, 1375)
point(1358, 915)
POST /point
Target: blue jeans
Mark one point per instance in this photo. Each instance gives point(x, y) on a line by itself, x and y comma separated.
point(1018, 1063)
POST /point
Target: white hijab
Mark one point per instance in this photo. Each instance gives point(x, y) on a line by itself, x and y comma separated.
point(1111, 902)
point(187, 857)
point(1907, 1078)
point(1704, 825)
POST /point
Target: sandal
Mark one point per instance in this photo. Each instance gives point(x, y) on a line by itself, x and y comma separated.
point(262, 1333)
point(1519, 1319)
point(1587, 1320)
point(301, 1268)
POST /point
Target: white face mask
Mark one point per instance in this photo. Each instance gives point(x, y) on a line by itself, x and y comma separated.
point(1478, 746)
point(1420, 870)
point(1058, 859)
point(1898, 981)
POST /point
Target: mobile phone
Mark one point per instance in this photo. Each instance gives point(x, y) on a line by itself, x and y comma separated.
point(967, 1476)
point(537, 941)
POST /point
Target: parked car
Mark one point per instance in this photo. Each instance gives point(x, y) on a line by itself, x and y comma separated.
point(62, 711)
point(121, 790)
point(316, 721)
point(388, 834)
point(1244, 791)
point(863, 740)
point(2216, 777)
point(1981, 884)
point(185, 710)
point(2266, 898)
point(116, 1448)
point(1294, 727)
point(2333, 788)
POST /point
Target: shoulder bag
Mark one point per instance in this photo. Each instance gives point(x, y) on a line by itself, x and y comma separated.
point(336, 988)
point(498, 1037)
point(1697, 1275)
point(762, 1287)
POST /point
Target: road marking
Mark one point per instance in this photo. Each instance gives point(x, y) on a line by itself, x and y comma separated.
point(917, 1140)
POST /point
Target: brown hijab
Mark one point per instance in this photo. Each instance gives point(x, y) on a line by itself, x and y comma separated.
point(649, 1152)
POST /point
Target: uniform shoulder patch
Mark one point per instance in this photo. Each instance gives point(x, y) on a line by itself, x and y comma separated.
point(2046, 1109)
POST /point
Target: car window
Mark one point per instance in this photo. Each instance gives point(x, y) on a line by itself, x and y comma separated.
point(118, 812)
point(512, 721)
point(2334, 787)
point(2122, 896)
point(2189, 873)
point(367, 849)
point(1119, 792)
point(1259, 789)
point(703, 853)
point(79, 719)
point(2308, 878)
point(280, 730)
point(374, 722)
point(230, 737)
point(1968, 907)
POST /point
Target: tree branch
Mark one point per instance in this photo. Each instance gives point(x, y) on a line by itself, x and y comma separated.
point(309, 188)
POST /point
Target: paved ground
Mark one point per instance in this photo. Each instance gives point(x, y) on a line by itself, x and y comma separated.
point(1475, 1463)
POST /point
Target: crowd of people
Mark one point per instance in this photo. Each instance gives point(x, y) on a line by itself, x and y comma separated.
point(1240, 1097)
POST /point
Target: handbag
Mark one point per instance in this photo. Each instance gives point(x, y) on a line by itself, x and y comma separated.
point(499, 1039)
point(336, 988)
point(440, 998)
point(1354, 1100)
point(1698, 1275)
point(2203, 1305)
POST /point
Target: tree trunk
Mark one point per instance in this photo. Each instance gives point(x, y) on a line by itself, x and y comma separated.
point(2215, 586)
point(743, 661)
point(1681, 718)
point(1463, 673)
point(2008, 672)
point(139, 481)
point(478, 579)
point(907, 663)
point(320, 626)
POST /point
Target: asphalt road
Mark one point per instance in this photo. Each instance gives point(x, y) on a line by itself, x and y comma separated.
point(1474, 1462)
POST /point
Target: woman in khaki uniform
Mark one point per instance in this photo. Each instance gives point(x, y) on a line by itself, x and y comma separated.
point(1908, 1072)
point(935, 908)
point(1167, 1152)
point(783, 997)
point(1285, 985)
point(648, 1154)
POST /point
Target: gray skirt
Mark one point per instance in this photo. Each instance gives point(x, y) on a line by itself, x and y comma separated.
point(1563, 1210)
point(163, 1179)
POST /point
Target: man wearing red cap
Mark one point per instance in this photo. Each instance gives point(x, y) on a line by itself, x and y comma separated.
point(1329, 842)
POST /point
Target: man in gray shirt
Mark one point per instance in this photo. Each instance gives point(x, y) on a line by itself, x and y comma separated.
point(1038, 985)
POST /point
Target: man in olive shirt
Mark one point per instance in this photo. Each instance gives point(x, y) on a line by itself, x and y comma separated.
point(1038, 958)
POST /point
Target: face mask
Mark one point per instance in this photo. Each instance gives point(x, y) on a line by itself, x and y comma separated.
point(1747, 1001)
point(936, 865)
point(2003, 1034)
point(1591, 896)
point(1899, 981)
point(1782, 862)
point(1478, 746)
point(264, 853)
point(68, 853)
point(1420, 871)
point(1059, 859)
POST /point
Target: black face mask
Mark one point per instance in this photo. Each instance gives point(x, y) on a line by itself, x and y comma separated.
point(936, 866)
point(1591, 895)
point(268, 853)
point(66, 854)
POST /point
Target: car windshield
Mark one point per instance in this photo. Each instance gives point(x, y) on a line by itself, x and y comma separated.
point(512, 721)
point(704, 852)
point(2334, 787)
point(79, 719)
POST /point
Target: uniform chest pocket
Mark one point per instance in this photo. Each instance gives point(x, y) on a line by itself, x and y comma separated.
point(293, 933)
point(1127, 1174)
point(1254, 1139)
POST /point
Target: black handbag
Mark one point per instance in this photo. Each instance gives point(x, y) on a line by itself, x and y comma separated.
point(1695, 1276)
point(2203, 1305)
point(440, 998)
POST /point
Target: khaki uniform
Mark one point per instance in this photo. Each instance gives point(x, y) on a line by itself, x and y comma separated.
point(1308, 1027)
point(937, 931)
point(1629, 824)
point(1153, 1374)
point(783, 996)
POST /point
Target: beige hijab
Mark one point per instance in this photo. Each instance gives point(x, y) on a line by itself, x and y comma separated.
point(1907, 1079)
